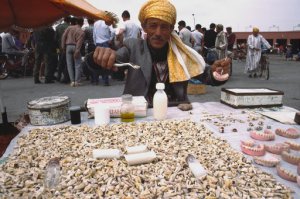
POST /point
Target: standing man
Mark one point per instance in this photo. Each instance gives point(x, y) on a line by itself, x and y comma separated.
point(103, 35)
point(221, 42)
point(254, 43)
point(198, 38)
point(163, 57)
point(230, 38)
point(44, 39)
point(210, 37)
point(89, 46)
point(185, 34)
point(71, 42)
point(129, 28)
point(62, 65)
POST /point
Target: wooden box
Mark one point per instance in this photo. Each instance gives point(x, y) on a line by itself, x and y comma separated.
point(196, 89)
point(251, 97)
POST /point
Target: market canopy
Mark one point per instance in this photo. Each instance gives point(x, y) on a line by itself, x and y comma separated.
point(36, 13)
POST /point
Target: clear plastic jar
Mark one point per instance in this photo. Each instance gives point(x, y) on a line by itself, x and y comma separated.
point(127, 109)
point(52, 174)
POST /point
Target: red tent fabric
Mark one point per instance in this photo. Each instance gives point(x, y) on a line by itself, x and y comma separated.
point(35, 13)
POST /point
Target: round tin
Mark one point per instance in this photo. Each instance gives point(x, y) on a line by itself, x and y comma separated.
point(49, 110)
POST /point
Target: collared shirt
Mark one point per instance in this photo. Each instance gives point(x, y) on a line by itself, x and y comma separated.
point(73, 35)
point(102, 33)
point(185, 35)
point(8, 44)
point(131, 30)
point(198, 37)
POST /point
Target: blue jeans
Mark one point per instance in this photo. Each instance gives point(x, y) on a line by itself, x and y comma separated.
point(73, 63)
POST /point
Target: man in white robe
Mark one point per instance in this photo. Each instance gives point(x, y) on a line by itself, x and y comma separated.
point(254, 43)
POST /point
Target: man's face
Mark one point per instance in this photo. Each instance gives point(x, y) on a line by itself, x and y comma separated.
point(108, 23)
point(158, 32)
point(180, 27)
point(255, 33)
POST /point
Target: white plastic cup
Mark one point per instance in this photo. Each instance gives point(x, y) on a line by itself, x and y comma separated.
point(84, 116)
point(102, 115)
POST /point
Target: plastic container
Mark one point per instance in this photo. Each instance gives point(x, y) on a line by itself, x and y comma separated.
point(52, 174)
point(75, 114)
point(160, 102)
point(127, 109)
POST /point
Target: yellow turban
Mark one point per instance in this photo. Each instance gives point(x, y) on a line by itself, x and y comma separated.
point(183, 61)
point(255, 29)
point(159, 9)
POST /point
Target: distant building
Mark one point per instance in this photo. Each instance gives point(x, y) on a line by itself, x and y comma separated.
point(279, 38)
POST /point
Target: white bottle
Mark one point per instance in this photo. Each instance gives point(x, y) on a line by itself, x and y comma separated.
point(160, 102)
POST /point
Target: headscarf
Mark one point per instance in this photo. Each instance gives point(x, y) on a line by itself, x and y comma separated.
point(255, 30)
point(183, 61)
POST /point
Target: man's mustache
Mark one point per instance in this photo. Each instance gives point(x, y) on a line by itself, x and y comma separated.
point(157, 38)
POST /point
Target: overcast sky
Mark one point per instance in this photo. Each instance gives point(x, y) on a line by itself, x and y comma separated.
point(241, 15)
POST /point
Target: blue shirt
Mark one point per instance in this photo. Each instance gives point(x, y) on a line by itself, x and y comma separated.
point(102, 33)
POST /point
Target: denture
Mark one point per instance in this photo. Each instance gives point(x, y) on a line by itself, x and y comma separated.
point(286, 174)
point(267, 160)
point(267, 135)
point(291, 157)
point(253, 149)
point(277, 148)
point(247, 142)
point(289, 133)
point(293, 145)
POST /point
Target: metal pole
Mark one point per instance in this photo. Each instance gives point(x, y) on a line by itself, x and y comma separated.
point(194, 19)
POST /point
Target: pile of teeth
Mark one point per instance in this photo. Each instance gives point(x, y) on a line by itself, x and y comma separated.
point(220, 120)
point(229, 173)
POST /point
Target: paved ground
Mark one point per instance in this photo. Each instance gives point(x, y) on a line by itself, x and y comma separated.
point(17, 92)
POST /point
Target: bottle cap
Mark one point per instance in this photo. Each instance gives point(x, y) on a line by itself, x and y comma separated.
point(126, 97)
point(75, 108)
point(160, 86)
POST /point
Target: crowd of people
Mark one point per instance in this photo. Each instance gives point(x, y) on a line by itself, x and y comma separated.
point(174, 56)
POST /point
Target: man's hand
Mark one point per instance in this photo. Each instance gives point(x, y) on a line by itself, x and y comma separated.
point(104, 57)
point(221, 69)
point(221, 66)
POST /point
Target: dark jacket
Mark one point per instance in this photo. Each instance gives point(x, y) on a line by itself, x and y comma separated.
point(139, 80)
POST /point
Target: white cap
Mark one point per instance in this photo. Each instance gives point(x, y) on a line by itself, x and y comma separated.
point(160, 86)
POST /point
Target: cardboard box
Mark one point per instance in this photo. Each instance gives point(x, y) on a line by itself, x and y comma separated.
point(139, 102)
point(196, 89)
point(251, 97)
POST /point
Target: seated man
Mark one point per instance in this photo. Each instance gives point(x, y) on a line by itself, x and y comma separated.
point(9, 46)
point(162, 56)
